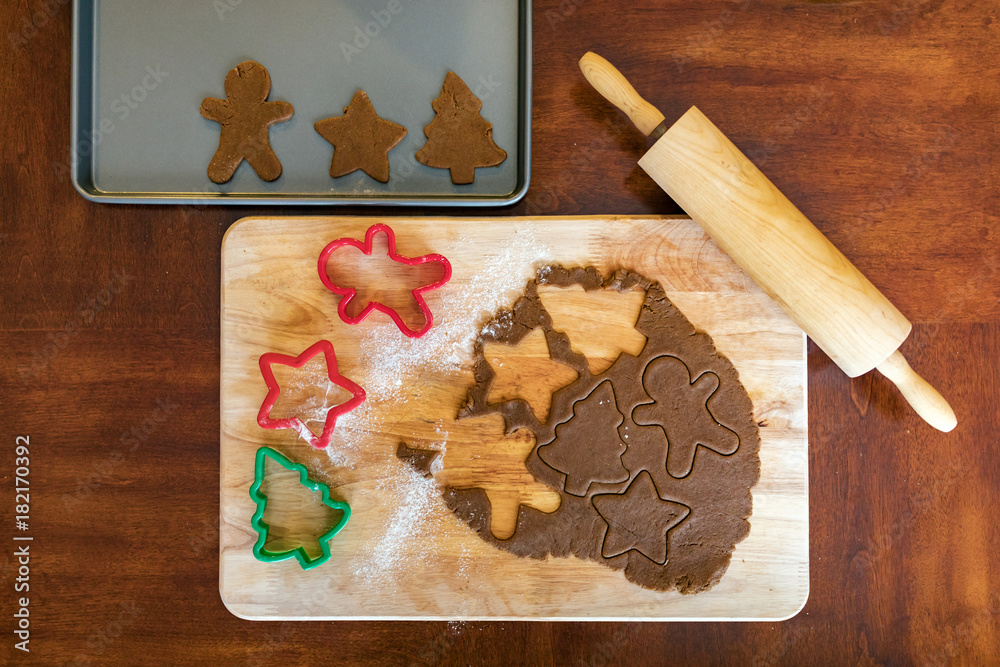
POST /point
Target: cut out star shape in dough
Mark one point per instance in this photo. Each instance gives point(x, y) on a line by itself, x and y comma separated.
point(526, 371)
point(639, 519)
point(361, 140)
point(480, 455)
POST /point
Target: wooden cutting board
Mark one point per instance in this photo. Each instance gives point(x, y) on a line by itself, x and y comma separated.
point(403, 554)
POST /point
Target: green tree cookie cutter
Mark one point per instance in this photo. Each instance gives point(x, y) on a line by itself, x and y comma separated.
point(261, 527)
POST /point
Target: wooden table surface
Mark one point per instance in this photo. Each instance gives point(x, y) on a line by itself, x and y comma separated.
point(879, 119)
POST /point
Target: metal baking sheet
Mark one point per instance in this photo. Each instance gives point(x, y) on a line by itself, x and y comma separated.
point(141, 69)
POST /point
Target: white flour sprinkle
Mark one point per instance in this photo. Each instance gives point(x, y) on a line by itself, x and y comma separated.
point(409, 498)
point(312, 412)
point(389, 367)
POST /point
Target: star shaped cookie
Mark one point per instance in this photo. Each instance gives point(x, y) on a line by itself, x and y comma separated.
point(639, 519)
point(361, 140)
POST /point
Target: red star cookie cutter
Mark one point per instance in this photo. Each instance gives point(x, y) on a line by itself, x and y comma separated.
point(349, 292)
point(273, 390)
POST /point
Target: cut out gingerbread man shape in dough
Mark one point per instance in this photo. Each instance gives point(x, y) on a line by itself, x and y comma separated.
point(479, 454)
point(680, 410)
point(246, 117)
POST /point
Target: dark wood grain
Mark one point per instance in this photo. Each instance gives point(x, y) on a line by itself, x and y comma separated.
point(879, 119)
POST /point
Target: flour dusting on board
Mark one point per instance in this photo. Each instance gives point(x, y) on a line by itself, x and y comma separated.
point(390, 358)
point(410, 499)
point(390, 368)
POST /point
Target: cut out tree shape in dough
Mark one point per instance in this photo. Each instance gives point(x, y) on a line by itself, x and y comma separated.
point(526, 371)
point(602, 340)
point(587, 447)
point(639, 519)
point(680, 410)
point(458, 138)
point(480, 455)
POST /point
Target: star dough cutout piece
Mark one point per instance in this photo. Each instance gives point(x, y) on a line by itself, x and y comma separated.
point(527, 371)
point(680, 410)
point(361, 140)
point(273, 390)
point(639, 519)
point(246, 118)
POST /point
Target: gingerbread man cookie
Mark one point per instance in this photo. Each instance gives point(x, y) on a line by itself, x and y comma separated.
point(246, 117)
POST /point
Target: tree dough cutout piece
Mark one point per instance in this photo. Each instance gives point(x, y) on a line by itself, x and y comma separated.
point(587, 447)
point(639, 519)
point(246, 118)
point(600, 324)
point(361, 140)
point(480, 455)
point(526, 371)
point(680, 410)
point(458, 138)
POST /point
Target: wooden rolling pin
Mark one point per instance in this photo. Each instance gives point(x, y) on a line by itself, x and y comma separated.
point(826, 295)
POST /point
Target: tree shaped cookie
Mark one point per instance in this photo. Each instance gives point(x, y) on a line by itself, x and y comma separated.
point(458, 138)
point(587, 447)
point(361, 140)
point(245, 116)
point(680, 409)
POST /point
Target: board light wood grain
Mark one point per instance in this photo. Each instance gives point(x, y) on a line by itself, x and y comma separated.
point(272, 300)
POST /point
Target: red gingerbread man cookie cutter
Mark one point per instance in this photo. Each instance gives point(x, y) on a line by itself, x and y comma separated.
point(349, 292)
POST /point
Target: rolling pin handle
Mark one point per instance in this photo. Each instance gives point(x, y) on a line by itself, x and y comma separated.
point(610, 83)
point(924, 398)
point(727, 223)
